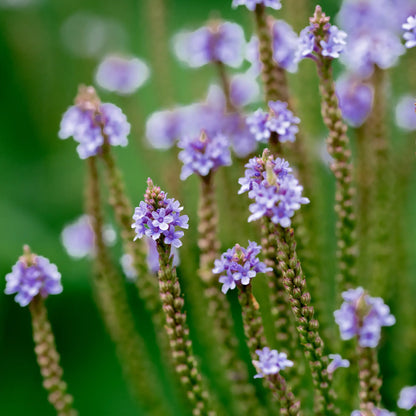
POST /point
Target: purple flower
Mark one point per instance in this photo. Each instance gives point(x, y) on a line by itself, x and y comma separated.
point(253, 55)
point(244, 89)
point(276, 192)
point(374, 412)
point(203, 154)
point(407, 398)
point(89, 121)
point(285, 44)
point(306, 43)
point(355, 99)
point(334, 44)
point(218, 42)
point(257, 123)
point(121, 75)
point(362, 316)
point(251, 4)
point(239, 265)
point(405, 113)
point(337, 362)
point(410, 34)
point(158, 216)
point(78, 237)
point(33, 275)
point(270, 362)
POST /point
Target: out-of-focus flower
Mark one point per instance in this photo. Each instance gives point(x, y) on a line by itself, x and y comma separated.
point(217, 42)
point(374, 412)
point(121, 75)
point(410, 34)
point(127, 266)
point(405, 113)
point(337, 362)
point(153, 256)
point(251, 4)
point(355, 99)
point(407, 398)
point(270, 362)
point(244, 89)
point(33, 275)
point(285, 44)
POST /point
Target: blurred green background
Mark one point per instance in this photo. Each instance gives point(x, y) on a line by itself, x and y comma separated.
point(42, 178)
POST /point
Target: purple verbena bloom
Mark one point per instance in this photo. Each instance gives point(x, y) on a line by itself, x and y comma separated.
point(285, 44)
point(121, 75)
point(244, 89)
point(89, 121)
point(337, 362)
point(306, 43)
point(257, 123)
point(33, 275)
point(270, 362)
point(158, 216)
point(407, 398)
point(251, 4)
point(410, 34)
point(335, 43)
point(276, 192)
point(355, 99)
point(363, 316)
point(374, 412)
point(218, 42)
point(203, 154)
point(405, 113)
point(239, 265)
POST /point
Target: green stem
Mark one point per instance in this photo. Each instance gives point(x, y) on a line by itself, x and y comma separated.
point(370, 381)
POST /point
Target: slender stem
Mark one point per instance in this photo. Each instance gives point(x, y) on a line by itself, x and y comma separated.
point(225, 84)
point(48, 360)
point(370, 381)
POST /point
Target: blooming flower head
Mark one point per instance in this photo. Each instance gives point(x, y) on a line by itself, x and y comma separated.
point(405, 113)
point(121, 75)
point(158, 216)
point(355, 99)
point(91, 122)
point(276, 192)
point(410, 34)
point(32, 275)
point(279, 120)
point(78, 237)
point(320, 38)
point(251, 4)
point(203, 154)
point(363, 316)
point(238, 265)
point(407, 398)
point(270, 362)
point(218, 42)
point(337, 362)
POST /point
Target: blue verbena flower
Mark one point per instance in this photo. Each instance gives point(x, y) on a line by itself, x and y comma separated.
point(363, 316)
point(90, 122)
point(374, 412)
point(251, 4)
point(337, 362)
point(355, 99)
point(276, 192)
point(33, 275)
point(238, 265)
point(203, 154)
point(217, 42)
point(270, 362)
point(158, 216)
point(285, 44)
point(407, 398)
point(405, 113)
point(121, 75)
point(410, 34)
point(279, 120)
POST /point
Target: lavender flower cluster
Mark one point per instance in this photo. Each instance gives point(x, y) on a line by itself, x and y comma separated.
point(270, 362)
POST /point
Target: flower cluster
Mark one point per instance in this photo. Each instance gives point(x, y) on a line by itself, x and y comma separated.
point(159, 216)
point(270, 362)
point(203, 154)
point(276, 192)
point(239, 266)
point(363, 316)
point(374, 412)
point(217, 42)
point(251, 4)
point(337, 362)
point(407, 398)
point(90, 123)
point(279, 120)
point(410, 34)
point(121, 75)
point(33, 275)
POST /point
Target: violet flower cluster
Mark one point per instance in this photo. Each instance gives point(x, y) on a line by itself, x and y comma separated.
point(90, 123)
point(238, 265)
point(203, 154)
point(276, 192)
point(217, 42)
point(270, 362)
point(251, 4)
point(279, 120)
point(337, 362)
point(33, 275)
point(362, 316)
point(159, 218)
point(410, 34)
point(407, 398)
